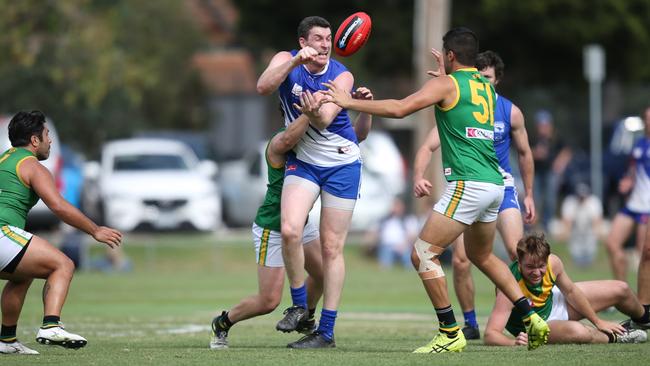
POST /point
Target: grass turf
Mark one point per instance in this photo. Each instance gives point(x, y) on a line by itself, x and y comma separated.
point(159, 314)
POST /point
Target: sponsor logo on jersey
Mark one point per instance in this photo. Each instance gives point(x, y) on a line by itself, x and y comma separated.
point(447, 171)
point(479, 133)
point(344, 149)
point(499, 130)
point(292, 167)
point(296, 90)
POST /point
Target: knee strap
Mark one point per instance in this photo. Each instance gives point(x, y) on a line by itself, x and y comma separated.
point(427, 254)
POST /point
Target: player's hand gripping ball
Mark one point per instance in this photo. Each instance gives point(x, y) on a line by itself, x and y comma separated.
point(352, 34)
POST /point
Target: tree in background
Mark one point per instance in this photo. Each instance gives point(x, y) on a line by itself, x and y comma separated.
point(101, 69)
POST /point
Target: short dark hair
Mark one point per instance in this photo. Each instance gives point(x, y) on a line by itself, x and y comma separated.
point(464, 43)
point(534, 245)
point(310, 22)
point(24, 125)
point(490, 59)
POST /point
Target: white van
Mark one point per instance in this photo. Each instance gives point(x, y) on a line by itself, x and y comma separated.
point(40, 216)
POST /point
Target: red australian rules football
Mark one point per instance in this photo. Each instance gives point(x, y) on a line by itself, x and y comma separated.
point(352, 34)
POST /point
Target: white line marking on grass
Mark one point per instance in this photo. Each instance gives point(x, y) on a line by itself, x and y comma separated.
point(186, 329)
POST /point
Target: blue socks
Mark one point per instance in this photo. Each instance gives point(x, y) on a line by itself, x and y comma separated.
point(299, 296)
point(326, 325)
point(470, 318)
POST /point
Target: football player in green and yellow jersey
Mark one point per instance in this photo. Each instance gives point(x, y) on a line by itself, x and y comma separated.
point(561, 302)
point(464, 106)
point(24, 256)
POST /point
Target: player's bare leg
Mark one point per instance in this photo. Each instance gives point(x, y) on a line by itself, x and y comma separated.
point(314, 282)
point(270, 285)
point(270, 282)
point(604, 294)
point(622, 227)
point(13, 298)
point(463, 283)
point(464, 286)
point(569, 331)
point(336, 214)
point(334, 230)
point(511, 227)
point(42, 260)
point(572, 331)
point(644, 283)
point(298, 198)
point(438, 232)
point(478, 243)
point(298, 201)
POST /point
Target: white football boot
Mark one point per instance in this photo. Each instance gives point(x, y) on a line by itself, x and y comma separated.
point(633, 336)
point(57, 336)
point(16, 347)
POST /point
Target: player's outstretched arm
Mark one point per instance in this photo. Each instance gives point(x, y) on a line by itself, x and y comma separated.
point(279, 68)
point(320, 112)
point(432, 92)
point(526, 164)
point(284, 141)
point(578, 300)
point(40, 179)
point(363, 123)
point(422, 186)
point(497, 324)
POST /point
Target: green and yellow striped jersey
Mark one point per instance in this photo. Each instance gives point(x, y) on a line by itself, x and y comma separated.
point(540, 297)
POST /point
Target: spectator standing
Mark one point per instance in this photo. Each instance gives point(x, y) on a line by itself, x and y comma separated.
point(582, 214)
point(551, 156)
point(394, 234)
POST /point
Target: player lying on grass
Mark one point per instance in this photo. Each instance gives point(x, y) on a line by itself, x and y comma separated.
point(24, 256)
point(561, 302)
point(268, 239)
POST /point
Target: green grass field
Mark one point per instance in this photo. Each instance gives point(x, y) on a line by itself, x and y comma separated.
point(159, 314)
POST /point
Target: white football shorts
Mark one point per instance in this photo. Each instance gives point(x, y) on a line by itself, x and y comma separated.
point(12, 241)
point(268, 244)
point(468, 201)
point(559, 310)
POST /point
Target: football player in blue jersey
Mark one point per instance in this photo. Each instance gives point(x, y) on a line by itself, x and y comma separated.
point(636, 185)
point(509, 128)
point(325, 162)
point(643, 282)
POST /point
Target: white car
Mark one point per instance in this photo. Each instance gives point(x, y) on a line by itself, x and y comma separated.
point(40, 215)
point(158, 183)
point(244, 182)
point(383, 178)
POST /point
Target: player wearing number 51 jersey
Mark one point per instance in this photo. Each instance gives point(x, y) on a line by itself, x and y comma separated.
point(464, 103)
